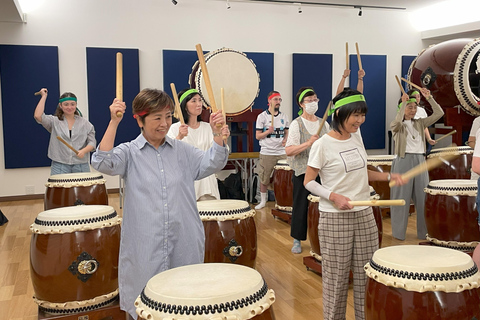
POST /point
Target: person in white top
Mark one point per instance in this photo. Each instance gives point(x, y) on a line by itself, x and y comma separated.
point(198, 134)
point(421, 113)
point(272, 138)
point(303, 132)
point(472, 142)
point(476, 170)
point(348, 235)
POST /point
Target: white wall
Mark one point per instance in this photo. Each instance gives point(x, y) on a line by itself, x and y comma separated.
point(154, 25)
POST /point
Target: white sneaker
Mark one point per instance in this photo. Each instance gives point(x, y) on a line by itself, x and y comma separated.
point(261, 205)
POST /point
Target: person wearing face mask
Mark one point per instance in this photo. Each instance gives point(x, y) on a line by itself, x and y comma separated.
point(303, 133)
point(272, 138)
point(198, 134)
point(68, 124)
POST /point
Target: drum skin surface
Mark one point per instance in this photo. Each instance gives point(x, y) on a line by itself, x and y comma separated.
point(65, 197)
point(283, 186)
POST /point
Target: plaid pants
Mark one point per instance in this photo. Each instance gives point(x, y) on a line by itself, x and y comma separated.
point(347, 241)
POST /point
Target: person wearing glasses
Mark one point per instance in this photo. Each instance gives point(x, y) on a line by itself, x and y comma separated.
point(272, 138)
point(303, 132)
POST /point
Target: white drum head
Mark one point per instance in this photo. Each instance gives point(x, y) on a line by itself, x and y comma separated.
point(380, 160)
point(452, 187)
point(206, 286)
point(233, 71)
point(79, 179)
point(450, 150)
point(222, 210)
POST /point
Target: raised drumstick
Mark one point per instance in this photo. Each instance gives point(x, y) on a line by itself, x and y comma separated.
point(325, 115)
point(178, 110)
point(346, 55)
point(448, 134)
point(69, 146)
point(358, 57)
point(412, 84)
point(376, 203)
point(37, 93)
point(119, 84)
point(222, 101)
point(400, 85)
point(206, 77)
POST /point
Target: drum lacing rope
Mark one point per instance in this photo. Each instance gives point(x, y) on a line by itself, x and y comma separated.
point(75, 180)
point(225, 212)
point(75, 222)
point(379, 160)
point(425, 276)
point(216, 308)
point(446, 188)
point(82, 309)
point(461, 82)
point(459, 248)
point(454, 150)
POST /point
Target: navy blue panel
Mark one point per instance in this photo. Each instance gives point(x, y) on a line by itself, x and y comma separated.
point(177, 68)
point(406, 62)
point(375, 66)
point(101, 77)
point(24, 70)
point(312, 70)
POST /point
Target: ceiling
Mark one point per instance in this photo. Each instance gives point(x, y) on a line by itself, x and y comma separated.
point(9, 11)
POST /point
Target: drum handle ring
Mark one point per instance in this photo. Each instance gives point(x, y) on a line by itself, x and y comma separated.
point(85, 267)
point(235, 251)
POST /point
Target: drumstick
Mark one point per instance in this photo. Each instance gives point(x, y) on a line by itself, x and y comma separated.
point(206, 77)
point(412, 84)
point(400, 85)
point(325, 115)
point(448, 134)
point(376, 203)
point(346, 56)
point(119, 87)
point(177, 103)
point(425, 166)
point(273, 118)
point(65, 143)
point(37, 93)
point(222, 101)
point(358, 57)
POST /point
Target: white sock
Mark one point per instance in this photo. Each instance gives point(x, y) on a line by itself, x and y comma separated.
point(263, 201)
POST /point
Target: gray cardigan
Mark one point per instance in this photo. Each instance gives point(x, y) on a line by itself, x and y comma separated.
point(399, 128)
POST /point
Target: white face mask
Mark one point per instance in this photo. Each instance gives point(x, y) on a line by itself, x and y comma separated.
point(311, 107)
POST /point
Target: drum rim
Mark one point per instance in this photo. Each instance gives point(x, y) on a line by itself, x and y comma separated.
point(452, 187)
point(462, 65)
point(79, 176)
point(76, 306)
point(241, 210)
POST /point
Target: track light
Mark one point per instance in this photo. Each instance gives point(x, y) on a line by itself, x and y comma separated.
point(359, 11)
point(174, 2)
point(299, 6)
point(228, 4)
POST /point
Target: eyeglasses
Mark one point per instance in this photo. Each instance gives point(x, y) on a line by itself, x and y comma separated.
point(310, 101)
point(277, 99)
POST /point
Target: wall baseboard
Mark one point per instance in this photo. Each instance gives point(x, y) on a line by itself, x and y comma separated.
point(39, 196)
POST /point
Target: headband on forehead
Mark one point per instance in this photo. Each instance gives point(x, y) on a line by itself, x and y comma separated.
point(411, 100)
point(140, 114)
point(344, 101)
point(186, 94)
point(273, 95)
point(67, 99)
point(414, 93)
point(304, 92)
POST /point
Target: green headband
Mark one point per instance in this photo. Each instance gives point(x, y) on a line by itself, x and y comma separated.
point(67, 99)
point(186, 94)
point(344, 101)
point(303, 94)
point(407, 102)
point(414, 93)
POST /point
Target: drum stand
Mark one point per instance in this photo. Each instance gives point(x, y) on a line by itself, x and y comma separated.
point(312, 264)
point(110, 312)
point(282, 215)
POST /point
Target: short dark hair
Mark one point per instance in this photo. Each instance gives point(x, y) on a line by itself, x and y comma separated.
point(183, 104)
point(308, 94)
point(272, 92)
point(151, 100)
point(343, 113)
point(59, 111)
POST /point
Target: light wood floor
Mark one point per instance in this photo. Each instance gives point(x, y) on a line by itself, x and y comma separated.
point(298, 291)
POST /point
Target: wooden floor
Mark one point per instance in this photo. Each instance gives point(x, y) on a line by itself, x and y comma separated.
point(298, 291)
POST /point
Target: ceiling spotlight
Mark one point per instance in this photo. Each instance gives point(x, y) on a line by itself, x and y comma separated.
point(359, 11)
point(299, 6)
point(228, 4)
point(174, 2)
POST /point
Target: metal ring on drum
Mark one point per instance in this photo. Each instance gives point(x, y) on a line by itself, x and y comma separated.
point(235, 72)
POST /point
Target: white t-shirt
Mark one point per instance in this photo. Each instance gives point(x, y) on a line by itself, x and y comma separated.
point(342, 168)
point(311, 126)
point(272, 144)
point(414, 139)
point(421, 113)
point(474, 133)
point(201, 138)
point(475, 127)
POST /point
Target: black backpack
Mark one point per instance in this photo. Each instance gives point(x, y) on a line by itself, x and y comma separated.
point(3, 219)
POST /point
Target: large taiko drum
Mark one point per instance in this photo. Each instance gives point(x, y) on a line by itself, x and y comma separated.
point(313, 217)
point(458, 168)
point(451, 71)
point(230, 231)
point(451, 213)
point(421, 282)
point(232, 70)
point(74, 258)
point(71, 189)
point(380, 163)
point(209, 291)
point(283, 186)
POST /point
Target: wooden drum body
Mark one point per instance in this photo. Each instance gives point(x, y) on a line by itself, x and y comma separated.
point(232, 70)
point(380, 163)
point(458, 168)
point(230, 231)
point(421, 282)
point(450, 71)
point(71, 189)
point(206, 291)
point(283, 186)
point(451, 213)
point(74, 258)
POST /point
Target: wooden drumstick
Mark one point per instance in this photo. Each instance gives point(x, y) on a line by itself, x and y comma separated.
point(425, 166)
point(222, 101)
point(325, 115)
point(69, 146)
point(119, 86)
point(376, 203)
point(178, 110)
point(358, 57)
point(37, 93)
point(346, 56)
point(412, 84)
point(206, 77)
point(448, 134)
point(273, 117)
point(400, 85)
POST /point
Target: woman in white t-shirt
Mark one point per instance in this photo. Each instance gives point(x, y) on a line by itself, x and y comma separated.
point(476, 170)
point(302, 134)
point(198, 134)
point(348, 235)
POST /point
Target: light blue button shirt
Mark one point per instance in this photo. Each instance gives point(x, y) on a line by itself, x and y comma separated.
point(161, 226)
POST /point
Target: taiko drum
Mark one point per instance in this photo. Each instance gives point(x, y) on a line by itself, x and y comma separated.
point(458, 168)
point(283, 186)
point(380, 163)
